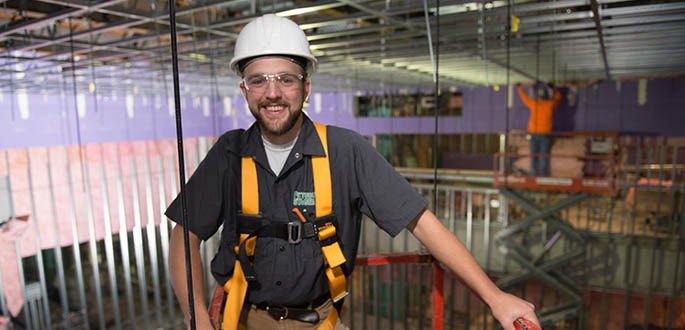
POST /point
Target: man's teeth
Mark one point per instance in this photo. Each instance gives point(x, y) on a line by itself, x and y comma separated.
point(274, 108)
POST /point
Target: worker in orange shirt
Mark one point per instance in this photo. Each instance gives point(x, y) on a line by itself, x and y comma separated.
point(540, 125)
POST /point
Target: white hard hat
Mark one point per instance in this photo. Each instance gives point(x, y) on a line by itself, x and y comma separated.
point(271, 35)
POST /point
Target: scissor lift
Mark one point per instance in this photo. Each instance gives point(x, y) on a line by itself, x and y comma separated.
point(596, 175)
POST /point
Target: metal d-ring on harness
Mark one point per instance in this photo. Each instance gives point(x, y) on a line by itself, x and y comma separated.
point(252, 225)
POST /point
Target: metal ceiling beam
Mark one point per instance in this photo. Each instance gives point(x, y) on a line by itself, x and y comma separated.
point(159, 17)
point(88, 33)
point(600, 36)
point(51, 18)
point(410, 26)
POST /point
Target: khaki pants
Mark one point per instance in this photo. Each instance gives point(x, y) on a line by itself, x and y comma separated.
point(260, 319)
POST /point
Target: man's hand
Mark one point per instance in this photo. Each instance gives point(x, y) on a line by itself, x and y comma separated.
point(508, 308)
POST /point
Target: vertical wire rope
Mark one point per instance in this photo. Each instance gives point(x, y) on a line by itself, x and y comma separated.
point(181, 164)
point(437, 107)
point(73, 80)
point(506, 101)
point(434, 63)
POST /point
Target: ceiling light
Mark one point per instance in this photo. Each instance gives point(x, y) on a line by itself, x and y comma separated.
point(306, 10)
point(465, 7)
point(198, 57)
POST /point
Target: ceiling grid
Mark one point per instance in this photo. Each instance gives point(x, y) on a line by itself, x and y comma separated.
point(369, 40)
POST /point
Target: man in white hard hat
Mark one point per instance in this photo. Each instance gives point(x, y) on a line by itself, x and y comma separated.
point(290, 195)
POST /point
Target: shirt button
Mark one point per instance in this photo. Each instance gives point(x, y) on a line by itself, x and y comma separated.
point(278, 283)
point(282, 248)
point(297, 155)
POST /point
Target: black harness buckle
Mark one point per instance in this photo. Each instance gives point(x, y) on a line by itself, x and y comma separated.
point(294, 232)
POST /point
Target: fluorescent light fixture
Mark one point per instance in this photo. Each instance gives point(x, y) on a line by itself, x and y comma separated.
point(306, 10)
point(470, 6)
point(198, 57)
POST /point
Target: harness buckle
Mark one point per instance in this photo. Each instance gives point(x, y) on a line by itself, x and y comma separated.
point(294, 232)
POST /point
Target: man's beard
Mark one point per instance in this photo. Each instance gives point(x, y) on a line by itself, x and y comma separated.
point(284, 128)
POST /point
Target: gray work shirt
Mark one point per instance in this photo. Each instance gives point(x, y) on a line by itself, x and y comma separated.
point(363, 182)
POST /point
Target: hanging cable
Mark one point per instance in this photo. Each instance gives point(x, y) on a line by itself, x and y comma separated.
point(505, 164)
point(537, 85)
point(73, 80)
point(181, 163)
point(11, 70)
point(92, 86)
point(481, 30)
point(430, 38)
point(437, 107)
point(161, 60)
point(437, 94)
point(216, 124)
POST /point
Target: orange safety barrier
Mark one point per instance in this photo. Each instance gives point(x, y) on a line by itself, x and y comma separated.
point(437, 294)
point(415, 258)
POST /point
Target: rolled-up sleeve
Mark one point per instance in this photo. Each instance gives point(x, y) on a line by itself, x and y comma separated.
point(204, 195)
point(386, 196)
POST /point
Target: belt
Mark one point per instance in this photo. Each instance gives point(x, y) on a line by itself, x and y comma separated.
point(302, 313)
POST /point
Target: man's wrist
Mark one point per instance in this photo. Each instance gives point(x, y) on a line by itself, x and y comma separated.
point(490, 297)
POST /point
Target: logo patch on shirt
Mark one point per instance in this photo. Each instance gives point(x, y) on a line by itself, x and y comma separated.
point(303, 198)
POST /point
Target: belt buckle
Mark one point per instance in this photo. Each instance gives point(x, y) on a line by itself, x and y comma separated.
point(294, 232)
point(278, 313)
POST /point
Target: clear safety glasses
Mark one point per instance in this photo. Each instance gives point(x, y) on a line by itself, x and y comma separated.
point(285, 82)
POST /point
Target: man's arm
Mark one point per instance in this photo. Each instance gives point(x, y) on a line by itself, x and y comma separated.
point(451, 252)
point(177, 268)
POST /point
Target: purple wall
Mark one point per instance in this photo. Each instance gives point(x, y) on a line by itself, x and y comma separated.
point(50, 119)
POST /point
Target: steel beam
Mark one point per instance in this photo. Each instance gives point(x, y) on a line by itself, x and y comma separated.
point(51, 18)
point(598, 26)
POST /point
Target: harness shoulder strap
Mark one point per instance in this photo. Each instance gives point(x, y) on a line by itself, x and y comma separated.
point(323, 194)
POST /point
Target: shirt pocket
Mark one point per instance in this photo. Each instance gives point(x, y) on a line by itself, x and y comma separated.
point(265, 256)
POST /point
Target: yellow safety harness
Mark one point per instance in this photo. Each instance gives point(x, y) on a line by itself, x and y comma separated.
point(323, 228)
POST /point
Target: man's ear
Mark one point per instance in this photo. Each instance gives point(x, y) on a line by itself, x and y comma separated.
point(243, 90)
point(307, 89)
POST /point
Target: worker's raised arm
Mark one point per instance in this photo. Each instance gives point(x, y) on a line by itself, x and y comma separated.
point(453, 254)
point(530, 103)
point(557, 97)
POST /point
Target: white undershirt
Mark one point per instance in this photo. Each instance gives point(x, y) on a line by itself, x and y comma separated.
point(277, 154)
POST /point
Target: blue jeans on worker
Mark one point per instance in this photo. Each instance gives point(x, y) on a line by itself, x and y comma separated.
point(539, 154)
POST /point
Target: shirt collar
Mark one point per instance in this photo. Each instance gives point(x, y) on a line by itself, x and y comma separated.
point(308, 142)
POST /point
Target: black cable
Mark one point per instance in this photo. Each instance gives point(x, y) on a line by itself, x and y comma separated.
point(216, 124)
point(73, 80)
point(505, 164)
point(90, 62)
point(161, 62)
point(11, 70)
point(181, 163)
point(437, 108)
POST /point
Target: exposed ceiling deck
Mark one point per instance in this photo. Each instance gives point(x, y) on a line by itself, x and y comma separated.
point(46, 43)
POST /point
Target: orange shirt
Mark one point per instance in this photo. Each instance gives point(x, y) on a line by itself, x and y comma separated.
point(540, 111)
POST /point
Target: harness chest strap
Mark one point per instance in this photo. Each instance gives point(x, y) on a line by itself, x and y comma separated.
point(236, 287)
